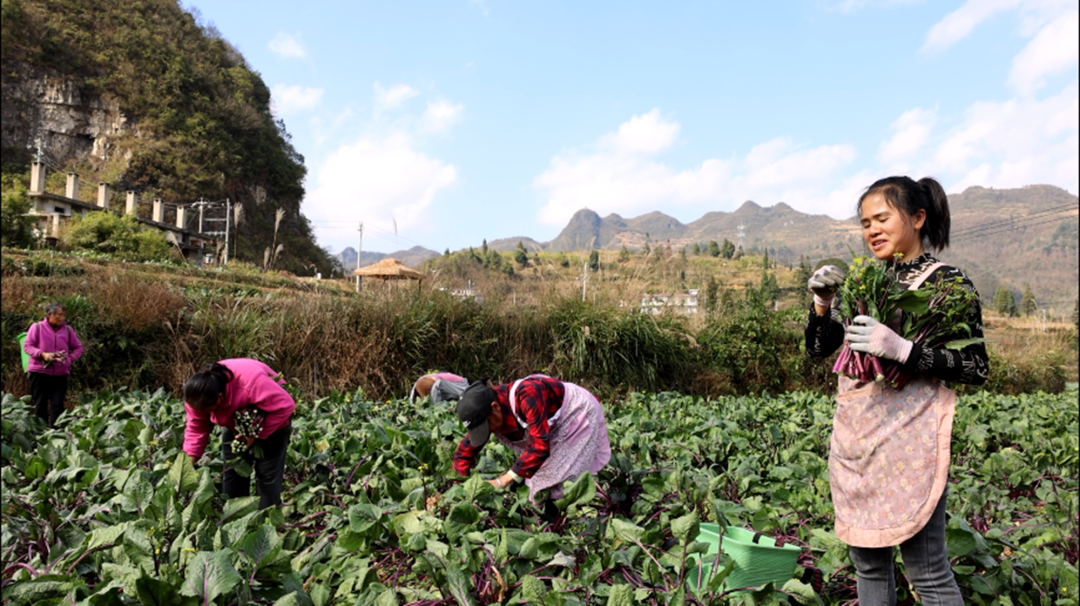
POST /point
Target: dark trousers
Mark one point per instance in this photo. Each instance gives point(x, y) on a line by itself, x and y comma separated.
point(47, 392)
point(269, 468)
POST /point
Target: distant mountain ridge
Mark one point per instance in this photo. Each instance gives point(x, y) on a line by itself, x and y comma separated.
point(1010, 237)
point(413, 257)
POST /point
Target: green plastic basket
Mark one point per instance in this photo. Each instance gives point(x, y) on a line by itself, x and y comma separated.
point(22, 353)
point(757, 558)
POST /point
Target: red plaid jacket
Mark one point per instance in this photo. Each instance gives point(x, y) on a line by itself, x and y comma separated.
point(538, 399)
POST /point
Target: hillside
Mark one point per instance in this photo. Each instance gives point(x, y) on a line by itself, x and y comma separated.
point(1009, 237)
point(144, 97)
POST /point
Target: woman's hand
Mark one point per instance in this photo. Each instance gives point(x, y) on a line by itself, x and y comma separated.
point(824, 284)
point(867, 335)
point(250, 440)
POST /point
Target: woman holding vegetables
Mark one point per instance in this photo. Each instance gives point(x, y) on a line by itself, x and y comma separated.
point(556, 428)
point(889, 455)
point(246, 398)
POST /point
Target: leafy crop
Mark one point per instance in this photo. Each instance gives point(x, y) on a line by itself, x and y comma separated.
point(108, 510)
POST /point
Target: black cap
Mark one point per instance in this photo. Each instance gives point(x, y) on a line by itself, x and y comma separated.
point(473, 409)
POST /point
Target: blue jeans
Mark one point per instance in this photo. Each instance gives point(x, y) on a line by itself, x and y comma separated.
point(925, 560)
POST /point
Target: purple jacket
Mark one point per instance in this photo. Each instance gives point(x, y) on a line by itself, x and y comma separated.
point(43, 338)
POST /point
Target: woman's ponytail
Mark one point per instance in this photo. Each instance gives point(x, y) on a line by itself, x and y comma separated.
point(202, 390)
point(935, 232)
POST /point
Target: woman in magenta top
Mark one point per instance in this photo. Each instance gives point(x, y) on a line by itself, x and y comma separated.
point(53, 347)
point(214, 394)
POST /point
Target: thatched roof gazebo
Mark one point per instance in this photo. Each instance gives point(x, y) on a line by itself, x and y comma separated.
point(389, 269)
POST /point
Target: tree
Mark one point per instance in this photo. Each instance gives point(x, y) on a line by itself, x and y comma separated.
point(696, 249)
point(727, 249)
point(16, 228)
point(484, 248)
point(1028, 304)
point(594, 260)
point(624, 254)
point(714, 249)
point(646, 250)
point(769, 288)
point(738, 253)
point(802, 277)
point(521, 256)
point(1004, 302)
point(711, 290)
point(1076, 313)
point(765, 261)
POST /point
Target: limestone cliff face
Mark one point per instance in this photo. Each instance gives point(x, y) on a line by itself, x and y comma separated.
point(71, 124)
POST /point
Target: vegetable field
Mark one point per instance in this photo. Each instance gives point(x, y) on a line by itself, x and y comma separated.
point(107, 509)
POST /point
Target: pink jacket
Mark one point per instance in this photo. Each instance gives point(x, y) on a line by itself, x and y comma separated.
point(43, 338)
point(253, 383)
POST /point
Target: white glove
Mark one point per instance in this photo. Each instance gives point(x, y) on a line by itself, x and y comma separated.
point(824, 283)
point(867, 335)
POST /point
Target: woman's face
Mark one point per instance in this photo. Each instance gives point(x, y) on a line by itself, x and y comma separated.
point(887, 231)
point(56, 318)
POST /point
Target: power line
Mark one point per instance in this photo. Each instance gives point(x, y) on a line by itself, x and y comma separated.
point(1015, 221)
point(989, 230)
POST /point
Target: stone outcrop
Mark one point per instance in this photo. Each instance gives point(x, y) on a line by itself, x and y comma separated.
point(70, 124)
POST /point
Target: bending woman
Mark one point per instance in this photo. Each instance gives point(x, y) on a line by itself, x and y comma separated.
point(889, 454)
point(556, 428)
point(441, 386)
point(213, 395)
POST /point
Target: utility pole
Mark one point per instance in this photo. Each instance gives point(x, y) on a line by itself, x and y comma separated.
point(228, 216)
point(200, 204)
point(359, 247)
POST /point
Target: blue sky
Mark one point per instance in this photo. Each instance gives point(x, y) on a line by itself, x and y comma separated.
point(447, 122)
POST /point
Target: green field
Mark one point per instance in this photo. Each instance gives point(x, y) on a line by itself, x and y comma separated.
point(108, 510)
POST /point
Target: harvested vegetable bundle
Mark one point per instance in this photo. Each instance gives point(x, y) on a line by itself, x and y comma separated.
point(937, 316)
point(248, 423)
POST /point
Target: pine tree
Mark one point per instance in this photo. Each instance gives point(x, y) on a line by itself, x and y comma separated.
point(714, 249)
point(594, 260)
point(765, 261)
point(711, 289)
point(804, 274)
point(727, 250)
point(624, 254)
point(521, 256)
point(1028, 304)
point(1004, 302)
point(696, 249)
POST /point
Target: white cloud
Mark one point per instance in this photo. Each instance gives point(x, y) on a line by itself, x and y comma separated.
point(956, 26)
point(623, 176)
point(440, 115)
point(287, 45)
point(1053, 49)
point(287, 99)
point(393, 97)
point(647, 133)
point(911, 132)
point(380, 180)
point(1014, 143)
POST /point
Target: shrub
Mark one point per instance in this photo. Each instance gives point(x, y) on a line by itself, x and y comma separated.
point(16, 227)
point(121, 236)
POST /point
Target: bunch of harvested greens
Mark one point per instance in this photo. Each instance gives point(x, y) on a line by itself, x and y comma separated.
point(937, 316)
point(248, 422)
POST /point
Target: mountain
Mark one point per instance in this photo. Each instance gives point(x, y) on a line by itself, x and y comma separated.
point(1000, 237)
point(510, 244)
point(144, 97)
point(413, 257)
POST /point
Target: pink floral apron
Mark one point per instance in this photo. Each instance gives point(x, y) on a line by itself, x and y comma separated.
point(578, 440)
point(889, 456)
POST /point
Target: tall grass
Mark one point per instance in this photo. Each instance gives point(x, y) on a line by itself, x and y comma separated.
point(148, 331)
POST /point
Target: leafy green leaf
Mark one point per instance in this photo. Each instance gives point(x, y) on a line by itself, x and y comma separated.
point(262, 546)
point(182, 474)
point(685, 528)
point(209, 575)
point(459, 586)
point(627, 531)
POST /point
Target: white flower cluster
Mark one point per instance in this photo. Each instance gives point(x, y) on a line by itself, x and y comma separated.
point(248, 422)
